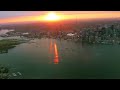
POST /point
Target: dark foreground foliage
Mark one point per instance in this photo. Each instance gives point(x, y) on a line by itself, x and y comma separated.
point(4, 72)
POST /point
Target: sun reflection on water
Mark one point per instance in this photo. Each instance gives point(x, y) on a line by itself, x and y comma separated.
point(54, 52)
point(56, 56)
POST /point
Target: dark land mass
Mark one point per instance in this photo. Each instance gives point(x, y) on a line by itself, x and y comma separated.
point(4, 72)
point(7, 44)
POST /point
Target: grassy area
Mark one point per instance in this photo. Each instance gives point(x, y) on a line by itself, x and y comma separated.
point(8, 44)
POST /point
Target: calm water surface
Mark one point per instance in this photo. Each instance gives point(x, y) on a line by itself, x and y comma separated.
point(60, 59)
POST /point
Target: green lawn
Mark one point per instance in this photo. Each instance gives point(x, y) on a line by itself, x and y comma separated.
point(8, 44)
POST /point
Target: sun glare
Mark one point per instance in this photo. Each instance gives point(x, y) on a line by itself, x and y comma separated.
point(52, 17)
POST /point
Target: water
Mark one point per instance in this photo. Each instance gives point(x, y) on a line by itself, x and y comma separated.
point(60, 59)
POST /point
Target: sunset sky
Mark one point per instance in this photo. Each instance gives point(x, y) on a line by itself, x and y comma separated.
point(27, 16)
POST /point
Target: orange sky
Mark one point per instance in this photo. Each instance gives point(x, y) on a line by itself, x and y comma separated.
point(63, 15)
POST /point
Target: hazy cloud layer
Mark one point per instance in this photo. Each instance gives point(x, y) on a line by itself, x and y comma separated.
point(7, 14)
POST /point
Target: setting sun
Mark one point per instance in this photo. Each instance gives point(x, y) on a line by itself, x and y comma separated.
point(52, 17)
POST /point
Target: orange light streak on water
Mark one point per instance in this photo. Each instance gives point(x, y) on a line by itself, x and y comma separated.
point(56, 55)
